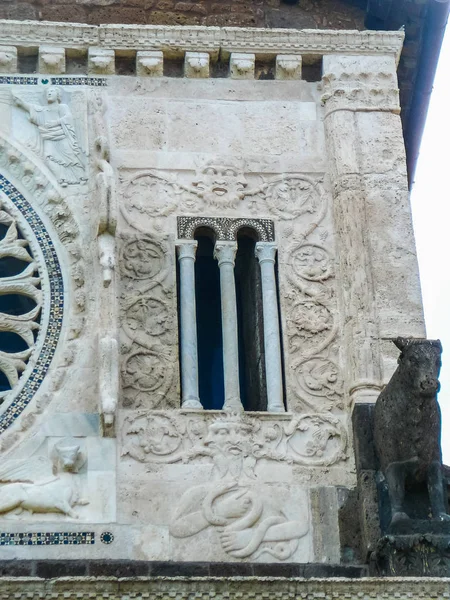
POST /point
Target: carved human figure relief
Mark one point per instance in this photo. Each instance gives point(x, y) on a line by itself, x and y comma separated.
point(43, 484)
point(56, 142)
point(248, 524)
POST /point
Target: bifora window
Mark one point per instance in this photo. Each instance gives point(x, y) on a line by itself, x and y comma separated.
point(230, 344)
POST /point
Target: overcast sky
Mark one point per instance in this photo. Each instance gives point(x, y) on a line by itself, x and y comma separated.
point(431, 213)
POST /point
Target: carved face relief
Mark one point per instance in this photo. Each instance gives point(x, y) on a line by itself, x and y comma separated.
point(221, 186)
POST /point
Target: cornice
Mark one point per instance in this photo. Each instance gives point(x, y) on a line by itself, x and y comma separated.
point(175, 40)
point(225, 587)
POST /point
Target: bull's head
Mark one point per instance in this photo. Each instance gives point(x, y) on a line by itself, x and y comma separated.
point(420, 363)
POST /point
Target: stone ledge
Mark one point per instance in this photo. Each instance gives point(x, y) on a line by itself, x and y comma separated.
point(48, 569)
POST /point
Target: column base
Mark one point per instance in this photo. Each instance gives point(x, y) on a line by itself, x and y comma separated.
point(277, 408)
point(233, 405)
point(192, 403)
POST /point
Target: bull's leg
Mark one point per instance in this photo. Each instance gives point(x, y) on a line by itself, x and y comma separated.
point(436, 491)
point(395, 477)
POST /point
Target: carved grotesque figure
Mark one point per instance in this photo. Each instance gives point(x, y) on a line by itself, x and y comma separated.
point(407, 427)
point(221, 185)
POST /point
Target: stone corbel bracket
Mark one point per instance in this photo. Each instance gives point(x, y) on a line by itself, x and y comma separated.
point(197, 46)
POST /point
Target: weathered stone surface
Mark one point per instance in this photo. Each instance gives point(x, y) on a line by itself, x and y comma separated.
point(122, 164)
point(407, 429)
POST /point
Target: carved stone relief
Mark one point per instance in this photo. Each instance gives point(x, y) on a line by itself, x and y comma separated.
point(148, 323)
point(50, 198)
point(55, 139)
point(43, 484)
point(299, 204)
point(24, 321)
point(235, 503)
point(307, 439)
point(220, 188)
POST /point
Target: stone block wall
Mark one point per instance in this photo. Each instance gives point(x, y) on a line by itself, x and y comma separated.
point(311, 14)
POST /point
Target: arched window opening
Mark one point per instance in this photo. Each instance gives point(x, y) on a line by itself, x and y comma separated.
point(230, 344)
point(209, 322)
point(250, 323)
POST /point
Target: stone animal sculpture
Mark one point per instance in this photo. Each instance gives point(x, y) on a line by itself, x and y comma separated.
point(42, 484)
point(407, 427)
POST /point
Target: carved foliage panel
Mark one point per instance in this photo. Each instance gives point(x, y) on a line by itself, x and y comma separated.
point(148, 319)
point(298, 204)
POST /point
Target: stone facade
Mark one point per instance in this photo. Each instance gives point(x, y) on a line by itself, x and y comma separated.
point(105, 180)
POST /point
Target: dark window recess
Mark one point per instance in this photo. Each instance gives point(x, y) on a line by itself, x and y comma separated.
point(209, 323)
point(252, 377)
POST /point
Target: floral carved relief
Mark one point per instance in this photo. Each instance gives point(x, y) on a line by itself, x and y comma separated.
point(148, 322)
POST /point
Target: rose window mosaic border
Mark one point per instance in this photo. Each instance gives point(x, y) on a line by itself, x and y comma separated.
point(56, 311)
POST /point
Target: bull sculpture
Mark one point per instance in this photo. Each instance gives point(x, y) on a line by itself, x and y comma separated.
point(407, 427)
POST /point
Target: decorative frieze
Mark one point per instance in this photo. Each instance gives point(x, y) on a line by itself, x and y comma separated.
point(210, 586)
point(177, 40)
point(225, 229)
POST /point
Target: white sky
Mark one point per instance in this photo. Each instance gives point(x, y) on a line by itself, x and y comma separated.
point(431, 213)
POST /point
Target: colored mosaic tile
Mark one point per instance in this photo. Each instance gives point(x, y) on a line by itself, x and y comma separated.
point(56, 305)
point(14, 80)
point(106, 537)
point(53, 538)
point(91, 81)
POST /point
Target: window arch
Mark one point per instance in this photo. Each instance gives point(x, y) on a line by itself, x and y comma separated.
point(230, 343)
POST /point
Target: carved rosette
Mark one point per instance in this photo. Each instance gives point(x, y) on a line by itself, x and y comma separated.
point(148, 321)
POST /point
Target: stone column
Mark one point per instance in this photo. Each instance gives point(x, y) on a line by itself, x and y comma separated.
point(360, 97)
point(186, 250)
point(225, 253)
point(266, 252)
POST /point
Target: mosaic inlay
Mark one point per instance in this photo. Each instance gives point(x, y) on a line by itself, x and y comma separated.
point(54, 538)
point(92, 81)
point(106, 537)
point(18, 80)
point(56, 305)
point(14, 80)
point(225, 229)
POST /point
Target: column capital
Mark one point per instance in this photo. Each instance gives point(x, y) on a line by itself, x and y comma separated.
point(266, 251)
point(186, 248)
point(225, 252)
